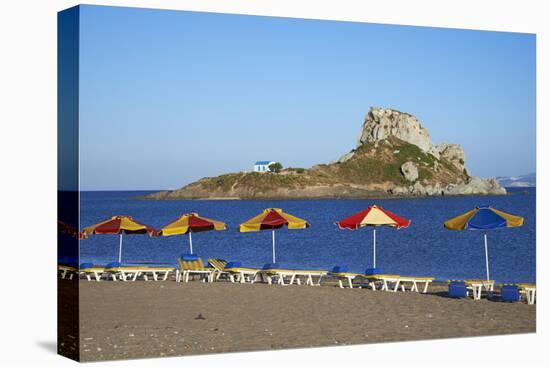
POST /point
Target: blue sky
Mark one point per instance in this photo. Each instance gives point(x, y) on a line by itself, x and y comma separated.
point(167, 97)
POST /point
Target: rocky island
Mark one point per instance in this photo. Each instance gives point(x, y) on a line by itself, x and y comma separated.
point(394, 156)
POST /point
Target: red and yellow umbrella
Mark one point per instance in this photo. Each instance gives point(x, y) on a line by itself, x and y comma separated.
point(374, 216)
point(189, 223)
point(67, 229)
point(118, 224)
point(272, 219)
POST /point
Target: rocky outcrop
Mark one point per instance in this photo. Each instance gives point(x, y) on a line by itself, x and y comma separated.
point(452, 153)
point(346, 157)
point(476, 186)
point(409, 171)
point(381, 123)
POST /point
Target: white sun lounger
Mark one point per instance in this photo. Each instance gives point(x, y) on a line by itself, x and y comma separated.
point(243, 275)
point(478, 285)
point(95, 271)
point(530, 292)
point(157, 272)
point(291, 276)
point(132, 273)
point(277, 276)
point(309, 276)
point(386, 281)
point(346, 277)
point(414, 282)
point(66, 270)
point(124, 273)
point(393, 283)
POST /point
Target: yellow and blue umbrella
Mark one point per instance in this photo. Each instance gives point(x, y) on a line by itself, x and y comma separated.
point(484, 218)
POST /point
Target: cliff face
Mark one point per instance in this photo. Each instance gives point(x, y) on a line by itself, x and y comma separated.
point(382, 123)
point(394, 156)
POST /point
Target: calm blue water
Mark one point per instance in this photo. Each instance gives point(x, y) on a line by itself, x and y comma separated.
point(425, 248)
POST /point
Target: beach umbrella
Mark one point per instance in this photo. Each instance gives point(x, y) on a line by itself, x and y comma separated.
point(189, 223)
point(272, 219)
point(119, 224)
point(67, 252)
point(484, 218)
point(373, 216)
point(67, 229)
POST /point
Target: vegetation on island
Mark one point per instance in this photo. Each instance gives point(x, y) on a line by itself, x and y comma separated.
point(275, 167)
point(373, 168)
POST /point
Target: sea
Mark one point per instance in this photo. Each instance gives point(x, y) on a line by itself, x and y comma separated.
point(425, 248)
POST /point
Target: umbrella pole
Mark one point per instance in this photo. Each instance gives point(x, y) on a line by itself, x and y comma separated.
point(273, 240)
point(374, 247)
point(120, 249)
point(191, 242)
point(486, 255)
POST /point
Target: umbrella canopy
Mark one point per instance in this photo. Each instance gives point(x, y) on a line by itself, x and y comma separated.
point(484, 218)
point(191, 222)
point(374, 216)
point(271, 219)
point(118, 224)
point(67, 229)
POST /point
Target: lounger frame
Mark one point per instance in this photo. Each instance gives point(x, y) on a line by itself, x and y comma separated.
point(476, 286)
point(65, 270)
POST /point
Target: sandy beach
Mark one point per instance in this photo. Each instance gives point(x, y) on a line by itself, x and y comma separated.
point(149, 319)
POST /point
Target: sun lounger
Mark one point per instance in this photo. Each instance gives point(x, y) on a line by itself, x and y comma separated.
point(387, 281)
point(342, 274)
point(134, 272)
point(414, 282)
point(401, 282)
point(377, 277)
point(157, 272)
point(67, 271)
point(273, 273)
point(283, 276)
point(530, 292)
point(89, 270)
point(240, 274)
point(219, 269)
point(478, 285)
point(124, 273)
point(234, 271)
point(192, 265)
point(129, 273)
point(309, 276)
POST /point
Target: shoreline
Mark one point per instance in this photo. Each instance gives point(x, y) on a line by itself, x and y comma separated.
point(376, 197)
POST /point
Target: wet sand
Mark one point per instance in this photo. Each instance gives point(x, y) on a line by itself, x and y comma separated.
point(151, 319)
